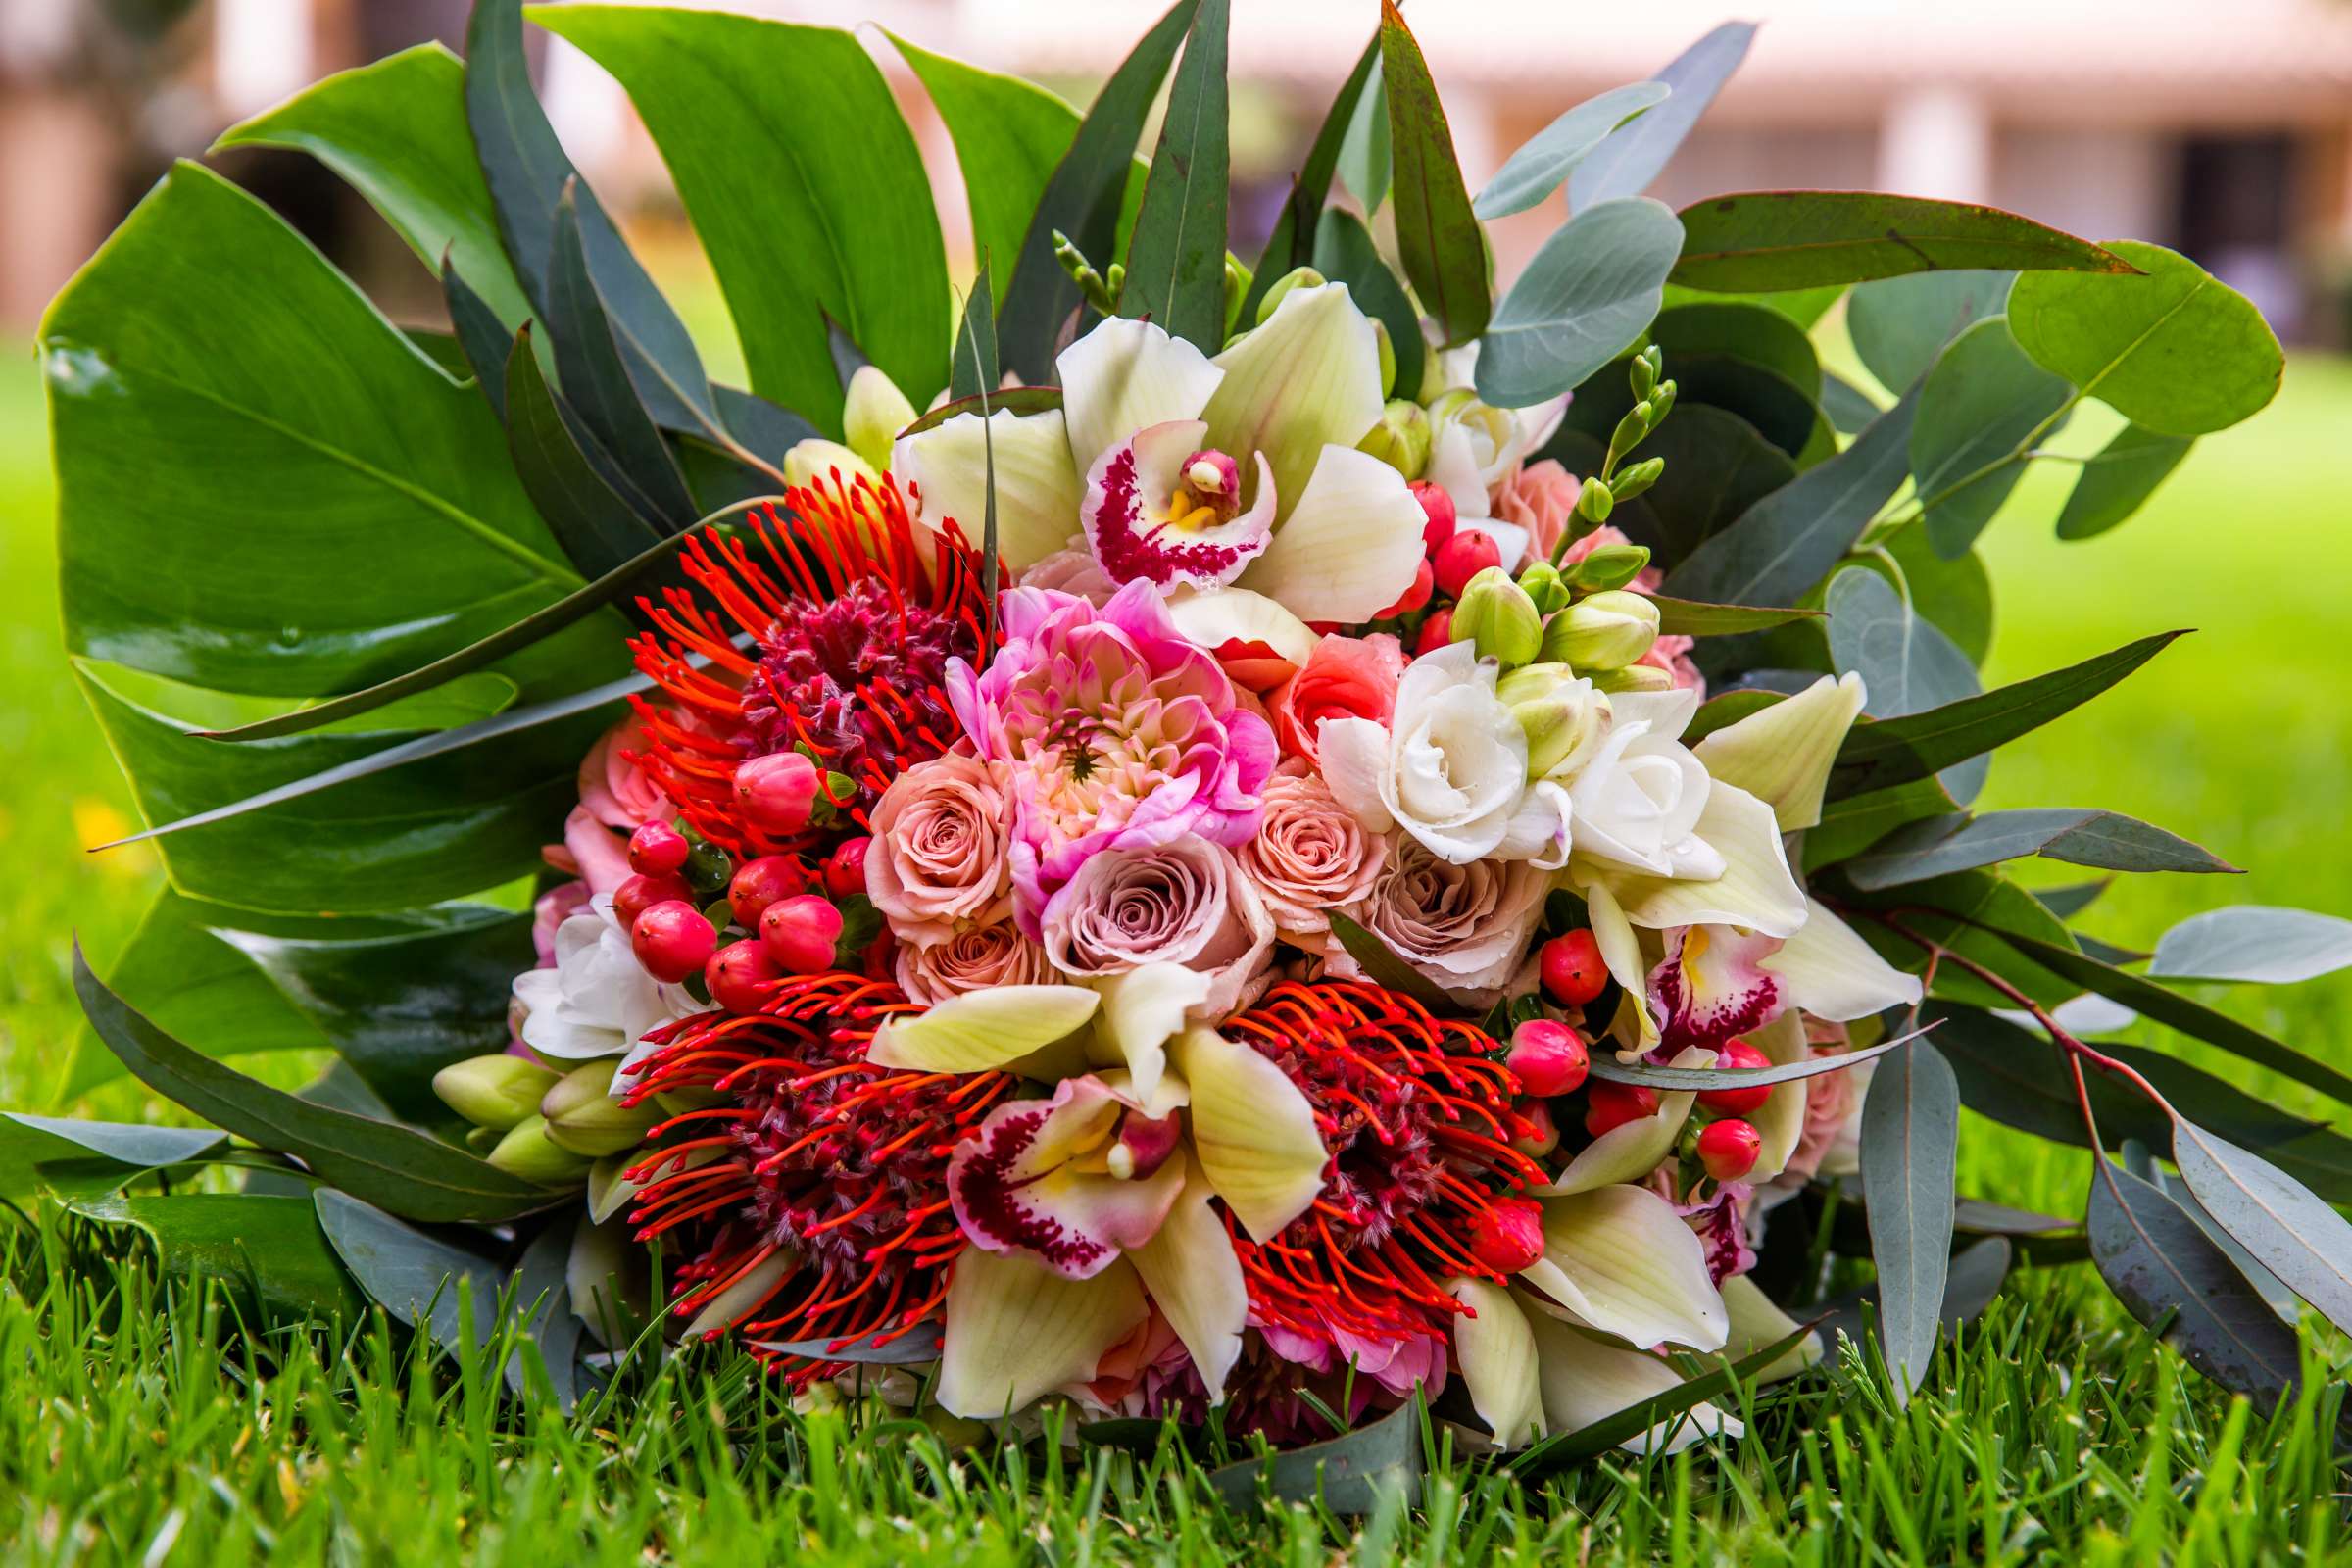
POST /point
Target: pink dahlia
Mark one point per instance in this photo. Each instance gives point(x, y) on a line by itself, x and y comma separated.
point(1116, 732)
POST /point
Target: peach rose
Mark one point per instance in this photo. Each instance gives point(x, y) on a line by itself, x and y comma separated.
point(614, 790)
point(939, 861)
point(978, 958)
point(1539, 497)
point(1310, 856)
point(1344, 677)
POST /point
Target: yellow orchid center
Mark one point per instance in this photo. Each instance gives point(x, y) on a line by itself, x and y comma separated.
point(1208, 494)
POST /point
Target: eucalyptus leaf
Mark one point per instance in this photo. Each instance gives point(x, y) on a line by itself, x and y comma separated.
point(397, 1167)
point(1584, 295)
point(1971, 1280)
point(2104, 838)
point(539, 1287)
point(2171, 1277)
point(1348, 1474)
point(1544, 161)
point(1771, 239)
point(1367, 161)
point(126, 1149)
point(1437, 236)
point(2258, 943)
point(1742, 329)
point(267, 1251)
point(1849, 409)
point(1906, 662)
point(2288, 1229)
point(1910, 1139)
point(1981, 405)
point(414, 1277)
point(1627, 162)
point(1176, 255)
point(1900, 324)
point(1855, 823)
point(1386, 969)
point(1955, 593)
point(1686, 618)
point(917, 1347)
point(2172, 348)
point(1705, 1078)
point(1014, 399)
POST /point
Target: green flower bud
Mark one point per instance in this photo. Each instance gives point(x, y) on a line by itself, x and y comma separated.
point(873, 414)
point(583, 1118)
point(494, 1092)
point(1561, 725)
point(1238, 279)
point(1387, 356)
point(1659, 402)
point(815, 458)
point(1610, 566)
point(1546, 586)
point(1596, 501)
point(1495, 615)
point(1295, 277)
point(1633, 678)
point(1644, 371)
point(1636, 477)
point(1400, 439)
point(1630, 429)
point(528, 1152)
point(1606, 631)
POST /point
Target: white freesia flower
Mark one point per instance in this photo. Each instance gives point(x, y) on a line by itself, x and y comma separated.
point(1637, 802)
point(597, 1001)
point(1474, 447)
point(1238, 473)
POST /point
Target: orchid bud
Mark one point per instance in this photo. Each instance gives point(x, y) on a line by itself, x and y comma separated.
point(1609, 567)
point(1495, 615)
point(1295, 277)
point(1546, 586)
point(493, 1092)
point(873, 414)
point(583, 1118)
point(1633, 678)
point(817, 459)
point(1607, 631)
point(1400, 439)
point(526, 1151)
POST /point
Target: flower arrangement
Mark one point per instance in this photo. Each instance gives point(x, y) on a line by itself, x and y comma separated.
point(1196, 840)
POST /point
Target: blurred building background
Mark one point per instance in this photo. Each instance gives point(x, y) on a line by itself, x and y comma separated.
point(2222, 127)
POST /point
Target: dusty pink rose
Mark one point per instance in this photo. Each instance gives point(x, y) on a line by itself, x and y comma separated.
point(614, 790)
point(1539, 497)
point(1117, 733)
point(1184, 902)
point(978, 958)
point(1074, 570)
point(939, 859)
point(1310, 855)
point(1466, 927)
point(1344, 677)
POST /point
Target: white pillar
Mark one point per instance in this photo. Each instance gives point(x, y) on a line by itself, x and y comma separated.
point(1936, 142)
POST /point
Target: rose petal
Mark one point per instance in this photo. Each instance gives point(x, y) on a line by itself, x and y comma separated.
point(1497, 1352)
point(1253, 1132)
point(1194, 1278)
point(983, 1029)
point(1350, 545)
point(1126, 374)
point(1017, 1330)
point(1034, 1180)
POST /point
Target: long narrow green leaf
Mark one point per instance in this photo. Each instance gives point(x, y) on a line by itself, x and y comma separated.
point(1437, 236)
point(1292, 244)
point(2108, 839)
point(1910, 1141)
point(974, 373)
point(395, 1167)
point(565, 471)
point(1703, 1078)
point(2288, 1231)
point(1786, 239)
point(1625, 163)
point(1176, 256)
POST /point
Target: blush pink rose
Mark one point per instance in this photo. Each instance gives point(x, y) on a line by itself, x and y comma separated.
point(1074, 570)
point(613, 788)
point(1310, 855)
point(1344, 677)
point(939, 858)
point(978, 958)
point(1466, 927)
point(1539, 497)
point(1186, 902)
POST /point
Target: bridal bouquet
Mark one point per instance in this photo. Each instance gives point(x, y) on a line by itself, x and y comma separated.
point(1237, 842)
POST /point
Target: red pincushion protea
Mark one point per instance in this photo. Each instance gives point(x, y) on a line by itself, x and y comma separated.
point(852, 625)
point(815, 1188)
point(1417, 1115)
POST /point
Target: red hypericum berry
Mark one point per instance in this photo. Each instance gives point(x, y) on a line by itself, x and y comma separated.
point(1573, 971)
point(1540, 1135)
point(1462, 558)
point(1508, 1236)
point(656, 848)
point(1437, 506)
point(1414, 597)
point(761, 882)
point(1729, 1148)
point(845, 867)
point(1547, 1057)
point(800, 933)
point(776, 793)
point(640, 892)
point(1609, 1106)
point(1738, 1053)
point(1436, 632)
point(672, 939)
point(742, 976)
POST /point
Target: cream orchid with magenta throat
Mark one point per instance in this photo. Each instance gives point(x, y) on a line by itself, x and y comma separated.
point(1264, 842)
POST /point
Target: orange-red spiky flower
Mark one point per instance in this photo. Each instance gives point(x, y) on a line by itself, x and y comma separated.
point(811, 1182)
point(850, 621)
point(1417, 1115)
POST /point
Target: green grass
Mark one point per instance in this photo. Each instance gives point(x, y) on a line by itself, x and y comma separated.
point(135, 1427)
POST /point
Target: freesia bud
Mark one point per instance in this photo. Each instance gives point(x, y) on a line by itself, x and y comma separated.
point(582, 1115)
point(1606, 631)
point(1560, 714)
point(528, 1152)
point(493, 1092)
point(1237, 278)
point(817, 459)
point(1495, 615)
point(1636, 477)
point(1546, 586)
point(1400, 439)
point(1295, 277)
point(873, 415)
point(1609, 567)
point(1633, 678)
point(1387, 356)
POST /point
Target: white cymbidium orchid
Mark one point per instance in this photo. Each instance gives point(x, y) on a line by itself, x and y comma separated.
point(1078, 1204)
point(1234, 475)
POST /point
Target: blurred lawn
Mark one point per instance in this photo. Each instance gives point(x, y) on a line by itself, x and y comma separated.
point(2239, 736)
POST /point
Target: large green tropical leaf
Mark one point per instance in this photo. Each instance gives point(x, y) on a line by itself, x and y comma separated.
point(804, 182)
